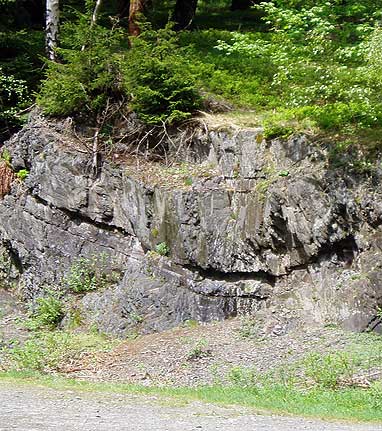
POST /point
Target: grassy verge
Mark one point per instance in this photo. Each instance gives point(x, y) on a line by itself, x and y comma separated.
point(349, 404)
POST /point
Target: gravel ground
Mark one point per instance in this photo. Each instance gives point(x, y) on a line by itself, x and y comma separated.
point(204, 354)
point(34, 409)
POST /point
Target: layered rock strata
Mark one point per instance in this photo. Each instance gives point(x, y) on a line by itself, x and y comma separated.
point(267, 227)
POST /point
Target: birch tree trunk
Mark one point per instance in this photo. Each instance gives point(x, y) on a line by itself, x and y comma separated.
point(94, 18)
point(51, 28)
point(96, 12)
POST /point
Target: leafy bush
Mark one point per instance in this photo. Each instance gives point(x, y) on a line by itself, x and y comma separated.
point(162, 249)
point(373, 56)
point(199, 350)
point(13, 98)
point(87, 274)
point(48, 313)
point(329, 370)
point(48, 351)
point(325, 19)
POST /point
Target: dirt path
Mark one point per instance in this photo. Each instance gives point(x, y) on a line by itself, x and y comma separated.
point(39, 409)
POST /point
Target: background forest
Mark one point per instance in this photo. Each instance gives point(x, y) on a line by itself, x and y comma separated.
point(289, 65)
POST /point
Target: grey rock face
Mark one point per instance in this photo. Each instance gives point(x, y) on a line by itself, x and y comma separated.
point(275, 231)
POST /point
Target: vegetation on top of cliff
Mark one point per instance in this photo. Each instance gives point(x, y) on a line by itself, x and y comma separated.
point(294, 65)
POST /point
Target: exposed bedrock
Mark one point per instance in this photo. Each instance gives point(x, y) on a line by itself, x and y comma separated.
point(274, 230)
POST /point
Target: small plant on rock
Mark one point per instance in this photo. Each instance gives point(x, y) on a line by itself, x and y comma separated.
point(88, 274)
point(199, 350)
point(22, 174)
point(47, 314)
point(162, 249)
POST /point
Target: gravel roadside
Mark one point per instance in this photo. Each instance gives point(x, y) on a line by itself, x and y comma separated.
point(27, 408)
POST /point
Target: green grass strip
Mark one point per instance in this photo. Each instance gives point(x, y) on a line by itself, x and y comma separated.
point(352, 404)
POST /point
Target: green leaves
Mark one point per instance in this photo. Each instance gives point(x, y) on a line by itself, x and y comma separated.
point(48, 313)
point(89, 73)
point(152, 76)
point(158, 78)
point(13, 98)
point(88, 274)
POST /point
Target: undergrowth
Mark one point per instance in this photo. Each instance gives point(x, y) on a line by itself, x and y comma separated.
point(320, 384)
point(51, 351)
point(47, 313)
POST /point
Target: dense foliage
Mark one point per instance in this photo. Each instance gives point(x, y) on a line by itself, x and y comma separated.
point(319, 61)
point(88, 73)
point(13, 97)
point(293, 64)
point(156, 74)
point(98, 68)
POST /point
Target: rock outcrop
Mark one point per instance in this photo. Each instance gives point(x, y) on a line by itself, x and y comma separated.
point(266, 227)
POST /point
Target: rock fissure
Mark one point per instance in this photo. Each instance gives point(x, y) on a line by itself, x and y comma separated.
point(232, 277)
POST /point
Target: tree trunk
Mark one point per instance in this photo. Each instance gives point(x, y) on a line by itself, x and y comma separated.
point(184, 13)
point(96, 12)
point(241, 4)
point(137, 9)
point(94, 18)
point(51, 28)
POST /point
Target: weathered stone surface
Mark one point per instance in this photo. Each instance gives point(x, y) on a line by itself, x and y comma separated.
point(276, 232)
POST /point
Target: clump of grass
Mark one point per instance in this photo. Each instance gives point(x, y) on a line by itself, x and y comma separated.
point(91, 273)
point(47, 314)
point(51, 351)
